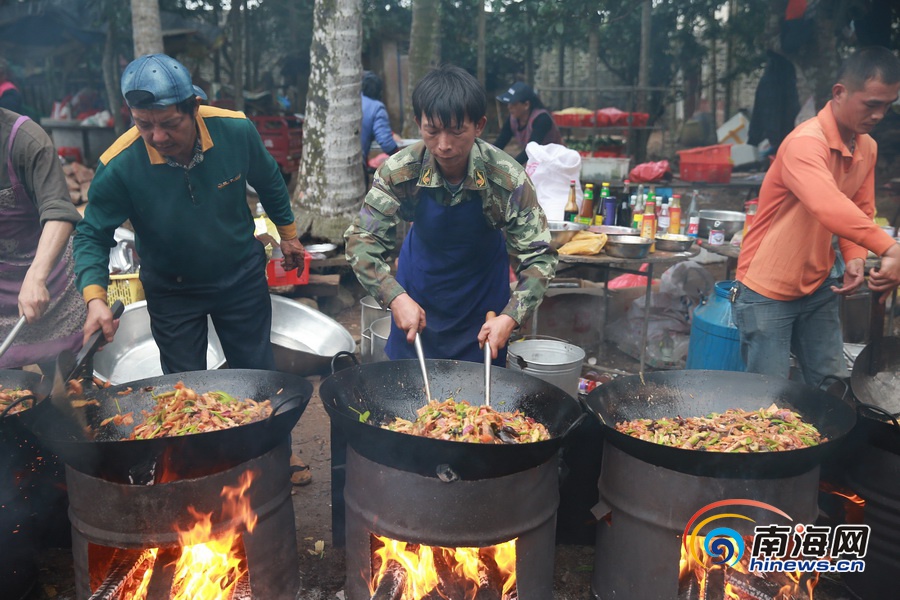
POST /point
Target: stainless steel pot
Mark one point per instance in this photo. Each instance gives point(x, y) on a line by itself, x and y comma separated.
point(370, 311)
point(729, 221)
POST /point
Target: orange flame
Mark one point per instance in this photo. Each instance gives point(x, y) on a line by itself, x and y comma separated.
point(689, 567)
point(209, 567)
point(467, 567)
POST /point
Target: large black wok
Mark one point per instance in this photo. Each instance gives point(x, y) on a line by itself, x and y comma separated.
point(108, 455)
point(395, 389)
point(698, 393)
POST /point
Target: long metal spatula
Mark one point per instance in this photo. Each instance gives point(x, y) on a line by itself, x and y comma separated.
point(487, 365)
point(421, 356)
point(10, 338)
point(68, 367)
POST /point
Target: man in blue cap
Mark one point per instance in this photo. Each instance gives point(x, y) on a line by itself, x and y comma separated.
point(180, 176)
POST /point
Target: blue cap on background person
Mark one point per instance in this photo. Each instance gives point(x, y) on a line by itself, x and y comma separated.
point(518, 92)
point(157, 81)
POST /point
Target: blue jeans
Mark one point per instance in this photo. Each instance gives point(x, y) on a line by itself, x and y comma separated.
point(810, 327)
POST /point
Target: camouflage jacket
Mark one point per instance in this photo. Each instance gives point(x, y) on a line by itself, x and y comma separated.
point(508, 202)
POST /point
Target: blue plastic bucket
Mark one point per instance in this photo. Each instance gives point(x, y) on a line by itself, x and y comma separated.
point(715, 342)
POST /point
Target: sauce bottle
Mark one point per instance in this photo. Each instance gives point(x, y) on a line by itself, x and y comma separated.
point(586, 216)
point(648, 223)
point(675, 214)
point(570, 212)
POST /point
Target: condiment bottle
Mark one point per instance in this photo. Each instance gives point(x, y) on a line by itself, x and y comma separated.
point(570, 212)
point(693, 228)
point(586, 216)
point(637, 212)
point(648, 223)
point(663, 224)
point(675, 214)
point(750, 210)
point(609, 205)
point(602, 216)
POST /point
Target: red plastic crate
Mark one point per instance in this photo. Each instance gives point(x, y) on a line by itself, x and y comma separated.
point(277, 276)
point(718, 154)
point(708, 172)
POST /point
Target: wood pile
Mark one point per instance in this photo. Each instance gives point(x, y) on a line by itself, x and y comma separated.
point(78, 178)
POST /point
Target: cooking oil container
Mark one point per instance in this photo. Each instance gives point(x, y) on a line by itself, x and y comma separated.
point(715, 342)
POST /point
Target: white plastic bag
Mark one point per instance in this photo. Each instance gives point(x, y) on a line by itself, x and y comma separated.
point(551, 168)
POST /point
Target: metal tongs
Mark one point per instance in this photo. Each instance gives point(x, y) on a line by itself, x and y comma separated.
point(421, 356)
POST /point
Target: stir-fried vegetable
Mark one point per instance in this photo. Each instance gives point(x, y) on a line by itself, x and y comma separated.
point(462, 422)
point(770, 429)
point(8, 396)
point(183, 411)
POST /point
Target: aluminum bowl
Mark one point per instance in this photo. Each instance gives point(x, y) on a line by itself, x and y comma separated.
point(628, 246)
point(729, 221)
point(133, 354)
point(612, 230)
point(671, 242)
point(562, 232)
point(304, 340)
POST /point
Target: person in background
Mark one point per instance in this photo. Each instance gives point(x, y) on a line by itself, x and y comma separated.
point(375, 122)
point(180, 176)
point(472, 207)
point(528, 120)
point(822, 184)
point(10, 96)
point(36, 223)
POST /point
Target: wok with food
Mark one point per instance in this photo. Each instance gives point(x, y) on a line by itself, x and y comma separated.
point(9, 398)
point(462, 422)
point(360, 399)
point(685, 397)
point(126, 433)
point(769, 429)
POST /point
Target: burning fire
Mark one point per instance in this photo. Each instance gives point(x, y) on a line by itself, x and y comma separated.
point(854, 505)
point(208, 567)
point(704, 579)
point(431, 571)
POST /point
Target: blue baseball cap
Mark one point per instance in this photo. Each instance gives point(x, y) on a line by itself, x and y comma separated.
point(157, 81)
point(517, 92)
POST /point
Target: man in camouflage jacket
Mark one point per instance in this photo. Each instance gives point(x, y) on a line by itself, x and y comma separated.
point(470, 203)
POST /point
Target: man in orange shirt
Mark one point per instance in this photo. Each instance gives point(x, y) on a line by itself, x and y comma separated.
point(821, 185)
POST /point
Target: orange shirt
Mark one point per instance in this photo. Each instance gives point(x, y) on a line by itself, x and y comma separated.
point(815, 188)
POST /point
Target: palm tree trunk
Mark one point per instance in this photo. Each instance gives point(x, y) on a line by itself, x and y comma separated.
point(423, 51)
point(146, 30)
point(331, 186)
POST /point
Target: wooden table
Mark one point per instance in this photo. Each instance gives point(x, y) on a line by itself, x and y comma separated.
point(628, 265)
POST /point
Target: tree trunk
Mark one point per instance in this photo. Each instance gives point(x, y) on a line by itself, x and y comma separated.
point(482, 50)
point(331, 185)
point(423, 52)
point(237, 45)
point(638, 140)
point(111, 78)
point(561, 71)
point(145, 27)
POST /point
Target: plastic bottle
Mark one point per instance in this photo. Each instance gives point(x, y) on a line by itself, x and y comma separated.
point(750, 210)
point(675, 214)
point(693, 227)
point(664, 220)
point(586, 215)
point(637, 213)
point(648, 223)
point(570, 212)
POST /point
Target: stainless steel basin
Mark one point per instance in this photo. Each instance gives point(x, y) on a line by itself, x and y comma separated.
point(133, 354)
point(304, 340)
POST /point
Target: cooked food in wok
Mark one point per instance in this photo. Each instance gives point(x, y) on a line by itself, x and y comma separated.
point(183, 411)
point(769, 429)
point(8, 396)
point(462, 422)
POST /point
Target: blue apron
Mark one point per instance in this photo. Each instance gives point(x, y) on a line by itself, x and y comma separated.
point(456, 267)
